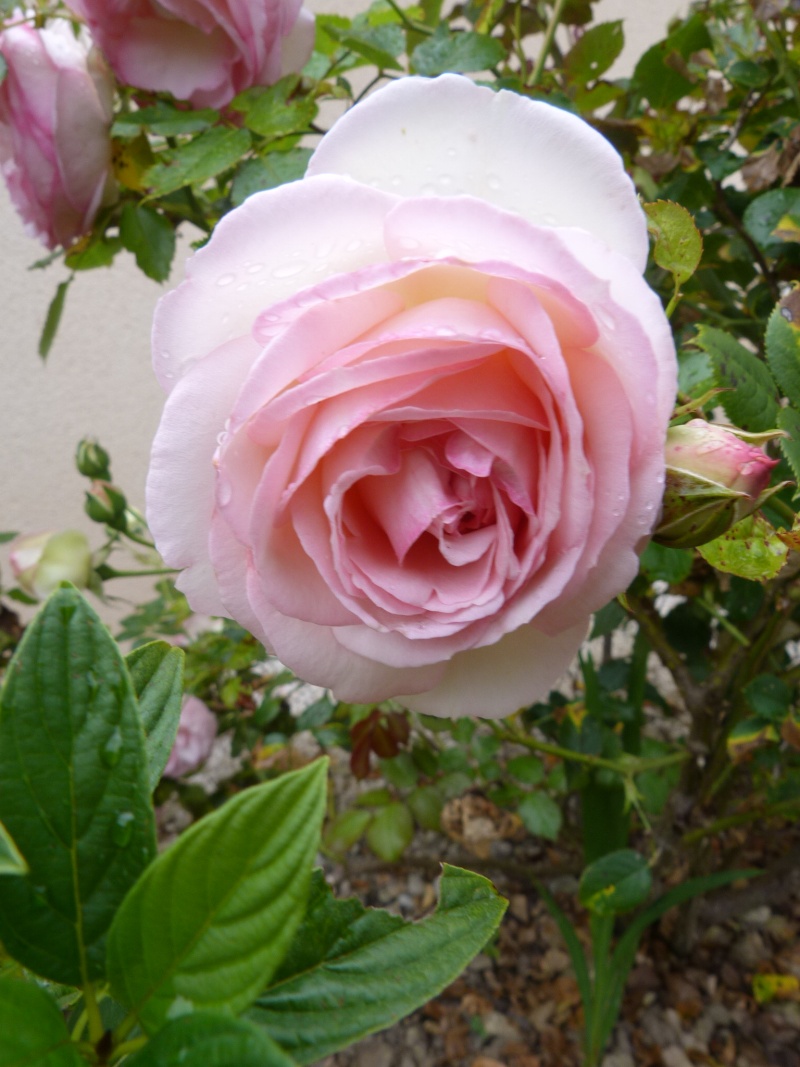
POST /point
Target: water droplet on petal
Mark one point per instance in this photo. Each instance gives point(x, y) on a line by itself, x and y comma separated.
point(225, 279)
point(122, 831)
point(288, 270)
point(494, 182)
point(254, 268)
point(224, 492)
point(354, 245)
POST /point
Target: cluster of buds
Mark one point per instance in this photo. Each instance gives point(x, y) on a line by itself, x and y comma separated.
point(716, 475)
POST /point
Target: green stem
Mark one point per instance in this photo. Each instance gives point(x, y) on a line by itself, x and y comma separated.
point(741, 819)
point(96, 1028)
point(547, 43)
point(127, 1047)
point(783, 509)
point(111, 572)
point(410, 24)
point(724, 621)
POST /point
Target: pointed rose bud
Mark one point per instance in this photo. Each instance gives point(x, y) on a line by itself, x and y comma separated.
point(716, 475)
point(41, 562)
point(105, 503)
point(92, 460)
point(196, 732)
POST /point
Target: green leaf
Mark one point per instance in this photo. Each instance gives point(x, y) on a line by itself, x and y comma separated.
point(751, 402)
point(53, 318)
point(426, 804)
point(750, 549)
point(458, 52)
point(32, 1030)
point(615, 883)
point(156, 670)
point(268, 172)
point(351, 970)
point(210, 1039)
point(782, 344)
point(541, 815)
point(664, 564)
point(151, 238)
point(768, 696)
point(594, 52)
point(391, 832)
point(789, 420)
point(655, 75)
point(163, 120)
point(74, 794)
point(96, 251)
point(526, 769)
point(206, 156)
point(678, 244)
point(346, 829)
point(210, 920)
point(763, 215)
point(11, 859)
point(268, 113)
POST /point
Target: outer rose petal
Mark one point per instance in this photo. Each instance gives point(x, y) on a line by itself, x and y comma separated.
point(544, 164)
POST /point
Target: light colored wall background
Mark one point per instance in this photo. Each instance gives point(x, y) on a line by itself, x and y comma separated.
point(97, 380)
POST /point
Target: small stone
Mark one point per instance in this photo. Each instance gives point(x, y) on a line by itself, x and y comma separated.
point(781, 930)
point(618, 1059)
point(749, 950)
point(374, 1052)
point(497, 1025)
point(759, 916)
point(674, 1056)
point(658, 1030)
point(518, 907)
point(415, 884)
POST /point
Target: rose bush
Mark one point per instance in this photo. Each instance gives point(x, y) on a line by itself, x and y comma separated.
point(204, 51)
point(55, 114)
point(418, 402)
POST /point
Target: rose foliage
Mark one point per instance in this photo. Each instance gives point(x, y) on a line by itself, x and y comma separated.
point(418, 402)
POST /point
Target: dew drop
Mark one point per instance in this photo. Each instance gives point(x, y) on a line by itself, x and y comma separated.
point(288, 270)
point(165, 354)
point(324, 250)
point(494, 182)
point(225, 279)
point(112, 750)
point(549, 219)
point(254, 268)
point(354, 245)
point(452, 152)
point(222, 437)
point(396, 181)
point(428, 189)
point(122, 831)
point(241, 288)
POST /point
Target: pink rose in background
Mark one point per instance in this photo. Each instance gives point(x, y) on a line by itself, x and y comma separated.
point(195, 739)
point(418, 402)
point(55, 114)
point(204, 51)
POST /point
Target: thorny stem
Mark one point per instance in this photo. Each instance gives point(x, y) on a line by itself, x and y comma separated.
point(547, 43)
point(740, 819)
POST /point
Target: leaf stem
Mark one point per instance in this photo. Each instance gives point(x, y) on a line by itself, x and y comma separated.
point(547, 43)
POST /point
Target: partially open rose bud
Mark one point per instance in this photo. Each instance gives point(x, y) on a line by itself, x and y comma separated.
point(716, 475)
point(196, 732)
point(41, 562)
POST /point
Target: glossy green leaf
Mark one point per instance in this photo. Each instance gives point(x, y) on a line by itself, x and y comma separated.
point(270, 115)
point(594, 52)
point(351, 971)
point(163, 120)
point(53, 318)
point(657, 77)
point(750, 549)
point(541, 815)
point(768, 696)
point(751, 399)
point(32, 1030)
point(456, 52)
point(268, 172)
point(664, 564)
point(615, 883)
point(763, 215)
point(782, 343)
point(390, 832)
point(210, 1039)
point(75, 795)
point(206, 156)
point(210, 920)
point(678, 245)
point(11, 859)
point(789, 420)
point(156, 670)
point(151, 238)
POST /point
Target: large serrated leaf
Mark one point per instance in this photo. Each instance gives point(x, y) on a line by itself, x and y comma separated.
point(351, 971)
point(751, 400)
point(32, 1030)
point(594, 52)
point(210, 920)
point(789, 420)
point(209, 1039)
point(74, 796)
point(459, 52)
point(194, 163)
point(151, 238)
point(782, 345)
point(156, 670)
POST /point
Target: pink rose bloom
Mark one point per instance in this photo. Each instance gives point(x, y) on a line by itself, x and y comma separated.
point(55, 114)
point(195, 739)
point(418, 402)
point(204, 51)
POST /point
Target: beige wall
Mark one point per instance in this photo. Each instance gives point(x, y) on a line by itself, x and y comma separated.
point(98, 380)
